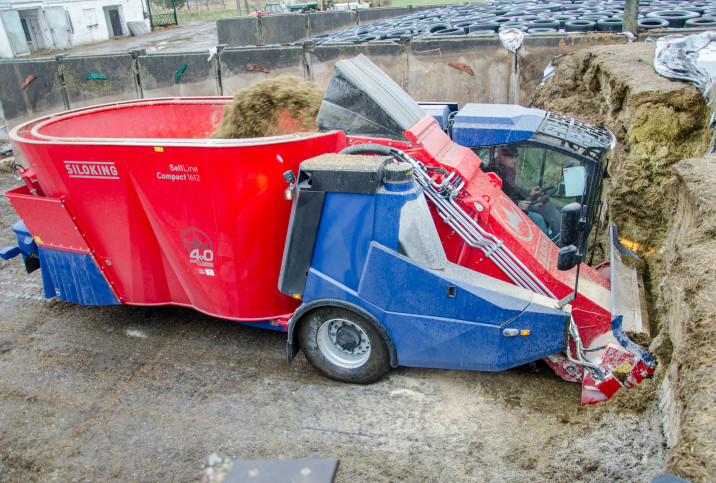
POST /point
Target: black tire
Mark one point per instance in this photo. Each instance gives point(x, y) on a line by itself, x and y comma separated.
point(484, 27)
point(676, 18)
point(326, 333)
point(580, 25)
point(563, 18)
point(544, 23)
point(435, 28)
point(609, 25)
point(700, 23)
point(449, 31)
point(514, 25)
point(652, 23)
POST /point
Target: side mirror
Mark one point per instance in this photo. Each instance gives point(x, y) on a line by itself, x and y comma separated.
point(568, 258)
point(570, 224)
point(575, 178)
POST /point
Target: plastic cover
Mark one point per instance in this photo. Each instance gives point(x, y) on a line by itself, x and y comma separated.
point(691, 59)
point(362, 100)
point(511, 39)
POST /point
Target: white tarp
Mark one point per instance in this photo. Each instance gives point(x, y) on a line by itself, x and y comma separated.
point(691, 59)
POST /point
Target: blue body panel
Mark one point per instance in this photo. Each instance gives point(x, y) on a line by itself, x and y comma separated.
point(441, 113)
point(70, 276)
point(491, 124)
point(25, 244)
point(74, 277)
point(428, 327)
point(24, 239)
point(452, 343)
point(345, 232)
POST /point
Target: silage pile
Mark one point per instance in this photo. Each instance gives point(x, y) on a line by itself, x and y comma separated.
point(688, 301)
point(280, 105)
point(667, 207)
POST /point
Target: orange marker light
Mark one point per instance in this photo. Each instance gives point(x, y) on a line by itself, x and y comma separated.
point(288, 194)
point(524, 332)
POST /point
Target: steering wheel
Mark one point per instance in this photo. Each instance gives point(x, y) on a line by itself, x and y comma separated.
point(550, 190)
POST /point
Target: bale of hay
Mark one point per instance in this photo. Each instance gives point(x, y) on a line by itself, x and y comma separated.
point(280, 105)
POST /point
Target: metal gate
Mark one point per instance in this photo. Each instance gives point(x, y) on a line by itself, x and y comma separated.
point(161, 19)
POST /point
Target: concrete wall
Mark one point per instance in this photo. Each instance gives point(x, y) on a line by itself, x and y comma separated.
point(241, 68)
point(472, 69)
point(40, 96)
point(385, 54)
point(170, 75)
point(238, 31)
point(434, 71)
point(325, 22)
point(284, 29)
point(119, 83)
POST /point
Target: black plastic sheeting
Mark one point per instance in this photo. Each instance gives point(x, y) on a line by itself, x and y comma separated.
point(535, 16)
point(362, 100)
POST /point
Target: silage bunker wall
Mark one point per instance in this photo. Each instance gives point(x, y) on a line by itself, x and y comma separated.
point(666, 203)
point(474, 69)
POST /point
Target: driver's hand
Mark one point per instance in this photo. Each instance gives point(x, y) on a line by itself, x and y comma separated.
point(524, 205)
point(535, 192)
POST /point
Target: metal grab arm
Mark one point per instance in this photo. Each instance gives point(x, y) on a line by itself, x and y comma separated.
point(444, 197)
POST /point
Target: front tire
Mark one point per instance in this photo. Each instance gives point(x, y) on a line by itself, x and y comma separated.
point(343, 345)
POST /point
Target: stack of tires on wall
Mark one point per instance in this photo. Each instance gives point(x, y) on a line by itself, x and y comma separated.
point(535, 16)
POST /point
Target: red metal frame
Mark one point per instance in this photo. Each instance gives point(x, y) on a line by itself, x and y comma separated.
point(159, 203)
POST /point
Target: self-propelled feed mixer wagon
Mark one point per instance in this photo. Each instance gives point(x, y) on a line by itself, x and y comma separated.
point(398, 245)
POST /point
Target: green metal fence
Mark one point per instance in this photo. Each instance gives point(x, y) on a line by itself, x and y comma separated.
point(161, 19)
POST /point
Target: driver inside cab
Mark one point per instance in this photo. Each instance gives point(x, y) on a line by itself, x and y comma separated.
point(532, 201)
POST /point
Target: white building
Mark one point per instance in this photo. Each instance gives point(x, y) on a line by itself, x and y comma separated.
point(27, 25)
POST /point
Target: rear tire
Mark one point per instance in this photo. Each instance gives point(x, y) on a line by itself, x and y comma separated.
point(343, 345)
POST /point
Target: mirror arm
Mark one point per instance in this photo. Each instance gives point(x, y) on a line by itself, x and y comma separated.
point(582, 223)
point(569, 298)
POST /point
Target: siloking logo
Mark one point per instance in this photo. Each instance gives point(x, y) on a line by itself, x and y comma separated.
point(91, 169)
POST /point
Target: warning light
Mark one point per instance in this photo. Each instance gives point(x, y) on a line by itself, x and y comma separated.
point(288, 194)
point(524, 332)
point(297, 296)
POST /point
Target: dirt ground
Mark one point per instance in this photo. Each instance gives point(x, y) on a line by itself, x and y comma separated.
point(145, 394)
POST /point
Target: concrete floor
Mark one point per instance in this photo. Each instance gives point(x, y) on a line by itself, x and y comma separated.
point(189, 37)
point(146, 393)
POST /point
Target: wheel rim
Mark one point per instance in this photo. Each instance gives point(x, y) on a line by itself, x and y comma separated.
point(343, 343)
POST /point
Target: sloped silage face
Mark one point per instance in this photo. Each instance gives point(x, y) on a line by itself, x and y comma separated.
point(660, 193)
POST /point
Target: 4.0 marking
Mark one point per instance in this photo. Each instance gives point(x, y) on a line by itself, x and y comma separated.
point(201, 255)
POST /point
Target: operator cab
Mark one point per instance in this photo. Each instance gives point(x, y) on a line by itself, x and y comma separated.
point(561, 178)
point(563, 157)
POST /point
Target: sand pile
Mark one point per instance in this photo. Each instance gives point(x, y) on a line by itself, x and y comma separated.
point(667, 208)
point(281, 105)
